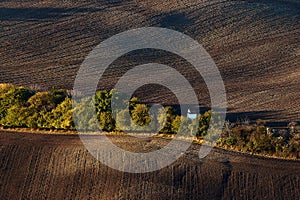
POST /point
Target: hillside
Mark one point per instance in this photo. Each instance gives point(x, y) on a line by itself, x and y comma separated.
point(36, 166)
point(255, 44)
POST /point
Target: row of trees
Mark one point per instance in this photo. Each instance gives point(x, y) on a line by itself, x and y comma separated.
point(22, 107)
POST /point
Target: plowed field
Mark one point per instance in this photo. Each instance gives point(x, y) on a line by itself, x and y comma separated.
point(255, 44)
point(35, 166)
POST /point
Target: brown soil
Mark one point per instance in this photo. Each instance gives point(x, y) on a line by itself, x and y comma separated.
point(37, 166)
point(255, 44)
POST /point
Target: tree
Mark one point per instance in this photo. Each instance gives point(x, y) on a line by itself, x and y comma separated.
point(16, 116)
point(42, 101)
point(123, 119)
point(166, 117)
point(231, 141)
point(84, 115)
point(107, 121)
point(140, 115)
point(183, 125)
point(4, 88)
point(102, 101)
point(37, 119)
point(61, 117)
point(261, 142)
point(133, 103)
point(58, 95)
point(204, 121)
point(11, 95)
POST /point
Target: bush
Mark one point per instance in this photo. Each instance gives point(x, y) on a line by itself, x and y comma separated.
point(186, 128)
point(204, 123)
point(11, 96)
point(107, 121)
point(230, 141)
point(21, 107)
point(166, 117)
point(16, 116)
point(123, 120)
point(61, 117)
point(84, 113)
point(140, 115)
point(102, 101)
point(42, 101)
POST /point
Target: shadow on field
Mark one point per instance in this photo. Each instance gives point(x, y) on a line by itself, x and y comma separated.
point(40, 14)
point(176, 21)
point(271, 117)
point(252, 115)
point(267, 115)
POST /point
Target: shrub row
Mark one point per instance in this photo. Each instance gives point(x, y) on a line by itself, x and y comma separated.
point(259, 139)
point(22, 107)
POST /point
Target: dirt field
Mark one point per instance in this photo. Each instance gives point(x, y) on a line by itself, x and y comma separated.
point(255, 44)
point(35, 166)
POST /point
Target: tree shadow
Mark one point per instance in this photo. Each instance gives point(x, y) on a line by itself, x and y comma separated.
point(176, 21)
point(270, 116)
point(40, 14)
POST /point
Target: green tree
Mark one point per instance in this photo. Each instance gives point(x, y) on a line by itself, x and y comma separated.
point(166, 117)
point(123, 120)
point(231, 141)
point(186, 128)
point(107, 121)
point(17, 116)
point(58, 95)
point(204, 121)
point(37, 119)
point(102, 101)
point(61, 117)
point(84, 115)
point(140, 115)
point(40, 105)
point(133, 103)
point(42, 101)
point(11, 95)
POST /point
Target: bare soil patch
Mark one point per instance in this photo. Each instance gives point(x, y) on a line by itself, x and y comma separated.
point(38, 166)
